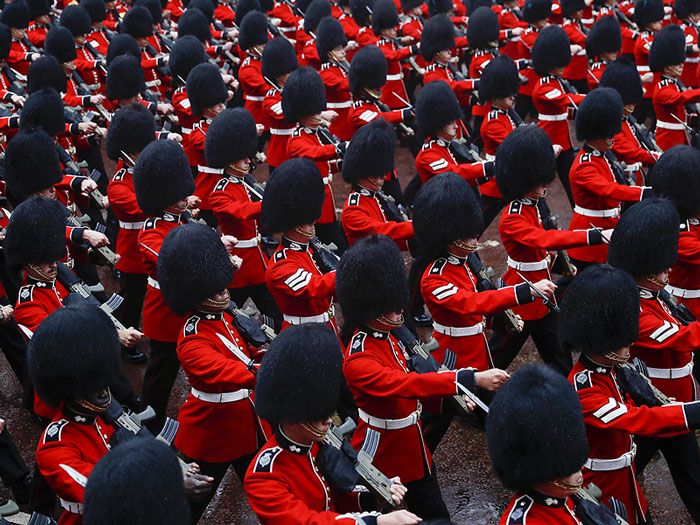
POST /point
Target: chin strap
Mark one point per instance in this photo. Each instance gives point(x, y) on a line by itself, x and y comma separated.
point(91, 408)
point(654, 279)
point(459, 243)
point(385, 320)
point(312, 430)
point(304, 233)
point(214, 306)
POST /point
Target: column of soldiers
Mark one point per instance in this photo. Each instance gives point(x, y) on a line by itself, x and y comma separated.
point(131, 133)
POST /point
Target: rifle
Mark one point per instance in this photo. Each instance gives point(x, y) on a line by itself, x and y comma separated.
point(679, 310)
point(99, 56)
point(592, 495)
point(643, 135)
point(16, 79)
point(549, 222)
point(86, 92)
point(393, 211)
point(549, 304)
point(639, 368)
point(327, 260)
point(109, 256)
point(618, 170)
point(73, 168)
point(253, 331)
point(403, 128)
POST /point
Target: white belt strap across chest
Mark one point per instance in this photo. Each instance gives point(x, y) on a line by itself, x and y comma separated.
point(610, 212)
point(130, 225)
point(528, 266)
point(675, 126)
point(152, 282)
point(458, 331)
point(607, 465)
point(683, 293)
point(390, 424)
point(671, 373)
point(221, 397)
point(553, 118)
point(328, 180)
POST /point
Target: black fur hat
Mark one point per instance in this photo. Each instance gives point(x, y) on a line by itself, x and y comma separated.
point(31, 163)
point(676, 175)
point(95, 8)
point(162, 176)
point(46, 72)
point(473, 5)
point(436, 106)
point(43, 109)
point(535, 430)
point(76, 19)
point(131, 130)
point(278, 58)
point(205, 87)
point(243, 7)
point(361, 11)
point(569, 7)
point(371, 152)
point(137, 22)
point(482, 30)
point(437, 7)
point(193, 265)
point(600, 311)
point(645, 241)
point(16, 14)
point(684, 8)
point(438, 34)
point(205, 6)
point(125, 78)
point(36, 232)
point(293, 196)
point(371, 280)
point(499, 79)
point(253, 30)
point(38, 8)
point(146, 473)
point(668, 48)
point(384, 16)
point(123, 44)
point(407, 5)
point(59, 43)
point(317, 11)
point(193, 22)
point(329, 35)
point(5, 41)
point(231, 136)
point(303, 95)
point(300, 377)
point(155, 8)
point(599, 116)
point(69, 361)
point(623, 77)
point(551, 50)
point(445, 209)
point(536, 10)
point(367, 70)
point(647, 12)
point(604, 37)
point(524, 160)
point(187, 52)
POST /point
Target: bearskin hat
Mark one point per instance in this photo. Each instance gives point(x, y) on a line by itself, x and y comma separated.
point(437, 7)
point(125, 78)
point(155, 8)
point(684, 8)
point(668, 48)
point(66, 361)
point(253, 30)
point(131, 130)
point(293, 196)
point(371, 152)
point(158, 497)
point(187, 52)
point(194, 23)
point(243, 7)
point(31, 163)
point(551, 50)
point(473, 5)
point(436, 106)
point(16, 14)
point(123, 45)
point(59, 43)
point(36, 232)
point(445, 209)
point(302, 5)
point(647, 12)
point(524, 160)
point(5, 41)
point(205, 6)
point(329, 35)
point(162, 176)
point(46, 72)
point(76, 19)
point(676, 175)
point(407, 5)
point(300, 377)
point(303, 95)
point(438, 34)
point(599, 116)
point(600, 311)
point(95, 8)
point(192, 253)
point(569, 7)
point(604, 37)
point(623, 77)
point(43, 109)
point(536, 10)
point(500, 79)
point(205, 87)
point(645, 241)
point(482, 30)
point(137, 22)
point(317, 11)
point(367, 70)
point(371, 280)
point(231, 136)
point(384, 16)
point(534, 430)
point(38, 8)
point(278, 58)
point(361, 11)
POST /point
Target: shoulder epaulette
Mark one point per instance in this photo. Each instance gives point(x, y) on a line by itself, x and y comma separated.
point(221, 185)
point(358, 342)
point(438, 265)
point(354, 199)
point(684, 226)
point(515, 207)
point(266, 459)
point(150, 223)
point(54, 430)
point(26, 294)
point(586, 157)
point(191, 325)
point(583, 380)
point(280, 255)
point(518, 514)
point(119, 175)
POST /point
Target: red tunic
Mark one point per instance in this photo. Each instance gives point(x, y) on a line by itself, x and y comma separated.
point(394, 76)
point(435, 157)
point(685, 277)
point(225, 14)
point(527, 40)
point(254, 88)
point(363, 215)
point(689, 77)
point(309, 55)
point(576, 70)
point(535, 508)
point(629, 150)
point(183, 111)
point(462, 88)
point(18, 59)
point(149, 63)
point(194, 148)
point(338, 99)
point(100, 42)
point(288, 19)
point(280, 129)
point(641, 57)
point(555, 107)
point(87, 66)
point(494, 129)
point(669, 105)
point(507, 19)
point(480, 60)
point(363, 112)
point(595, 73)
point(36, 33)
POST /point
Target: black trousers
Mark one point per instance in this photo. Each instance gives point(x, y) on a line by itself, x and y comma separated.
point(580, 85)
point(505, 346)
point(13, 346)
point(332, 232)
point(161, 372)
point(424, 498)
point(262, 298)
point(133, 290)
point(491, 207)
point(683, 458)
point(525, 107)
point(13, 469)
point(564, 162)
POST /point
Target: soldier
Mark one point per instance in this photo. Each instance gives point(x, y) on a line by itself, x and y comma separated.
point(5, 93)
point(535, 13)
point(688, 13)
point(648, 15)
point(298, 389)
point(576, 71)
point(219, 404)
point(40, 22)
point(16, 16)
point(90, 68)
point(603, 43)
point(138, 23)
point(305, 36)
point(98, 37)
point(186, 53)
point(252, 39)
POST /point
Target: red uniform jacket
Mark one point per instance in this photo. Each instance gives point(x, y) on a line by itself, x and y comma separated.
point(462, 88)
point(194, 148)
point(18, 59)
point(183, 110)
point(527, 40)
point(689, 77)
point(224, 13)
point(535, 508)
point(494, 129)
point(435, 157)
point(254, 88)
point(338, 99)
point(480, 60)
point(36, 33)
point(394, 74)
point(280, 129)
point(149, 64)
point(595, 72)
point(629, 150)
point(309, 54)
point(685, 277)
point(208, 425)
point(87, 66)
point(576, 70)
point(364, 111)
point(507, 19)
point(669, 99)
point(363, 215)
point(641, 57)
point(288, 19)
point(100, 42)
point(555, 107)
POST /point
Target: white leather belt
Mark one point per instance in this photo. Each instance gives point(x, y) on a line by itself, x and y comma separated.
point(72, 506)
point(130, 225)
point(339, 105)
point(254, 98)
point(207, 169)
point(553, 118)
point(671, 373)
point(93, 87)
point(288, 29)
point(676, 126)
point(633, 167)
point(607, 465)
point(398, 76)
point(612, 212)
point(248, 243)
point(281, 131)
point(390, 424)
point(186, 131)
point(300, 319)
point(587, 21)
point(692, 60)
point(328, 180)
point(152, 83)
point(528, 266)
point(458, 331)
point(221, 397)
point(152, 282)
point(643, 69)
point(489, 158)
point(683, 293)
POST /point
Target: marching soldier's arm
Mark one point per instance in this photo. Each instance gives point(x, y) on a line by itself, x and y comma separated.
point(334, 79)
point(28, 312)
point(629, 152)
point(63, 468)
point(589, 176)
point(122, 197)
point(83, 65)
point(150, 241)
point(552, 95)
point(359, 224)
point(688, 249)
point(658, 334)
point(223, 203)
point(292, 280)
point(514, 226)
point(363, 115)
point(672, 95)
point(495, 129)
point(430, 163)
point(272, 106)
point(300, 147)
point(252, 79)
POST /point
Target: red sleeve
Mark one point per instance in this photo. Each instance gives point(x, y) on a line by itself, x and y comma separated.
point(658, 334)
point(212, 368)
point(670, 95)
point(359, 224)
point(333, 79)
point(430, 163)
point(223, 203)
point(300, 147)
point(688, 249)
point(30, 314)
point(149, 246)
point(123, 198)
point(515, 226)
point(465, 301)
point(629, 152)
point(317, 286)
point(250, 78)
point(53, 459)
point(588, 176)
